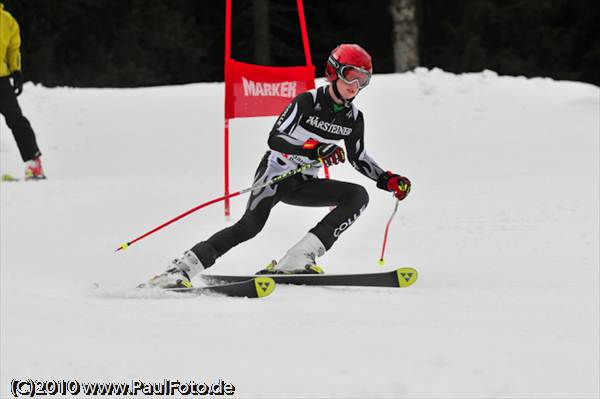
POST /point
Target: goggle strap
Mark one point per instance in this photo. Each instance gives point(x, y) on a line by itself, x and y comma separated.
point(334, 63)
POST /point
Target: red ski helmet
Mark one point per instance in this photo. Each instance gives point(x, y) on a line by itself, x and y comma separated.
point(349, 62)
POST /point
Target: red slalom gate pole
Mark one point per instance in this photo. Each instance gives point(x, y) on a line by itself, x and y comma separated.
point(226, 121)
point(274, 180)
point(307, 56)
point(328, 177)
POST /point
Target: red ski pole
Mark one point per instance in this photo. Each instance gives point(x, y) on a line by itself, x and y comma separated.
point(274, 180)
point(385, 235)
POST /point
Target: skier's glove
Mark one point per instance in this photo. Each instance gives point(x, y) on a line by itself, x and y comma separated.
point(399, 185)
point(329, 154)
point(17, 82)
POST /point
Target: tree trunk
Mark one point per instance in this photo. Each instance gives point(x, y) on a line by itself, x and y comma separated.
point(405, 35)
point(262, 44)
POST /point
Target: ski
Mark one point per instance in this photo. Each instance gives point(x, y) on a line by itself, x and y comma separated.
point(251, 287)
point(9, 178)
point(399, 278)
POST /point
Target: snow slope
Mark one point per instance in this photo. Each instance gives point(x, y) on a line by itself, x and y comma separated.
point(502, 224)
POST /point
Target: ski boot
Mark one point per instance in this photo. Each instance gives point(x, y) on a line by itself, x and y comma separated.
point(178, 274)
point(33, 169)
point(171, 278)
point(300, 259)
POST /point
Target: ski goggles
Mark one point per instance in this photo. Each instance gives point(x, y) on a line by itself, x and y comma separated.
point(350, 74)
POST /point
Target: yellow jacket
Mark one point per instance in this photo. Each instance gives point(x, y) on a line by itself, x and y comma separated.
point(10, 42)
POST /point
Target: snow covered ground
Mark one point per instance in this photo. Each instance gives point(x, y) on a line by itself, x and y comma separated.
point(502, 224)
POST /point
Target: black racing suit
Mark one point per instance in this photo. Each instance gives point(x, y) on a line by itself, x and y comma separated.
point(310, 115)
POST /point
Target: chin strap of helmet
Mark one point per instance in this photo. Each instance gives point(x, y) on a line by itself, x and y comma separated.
point(345, 103)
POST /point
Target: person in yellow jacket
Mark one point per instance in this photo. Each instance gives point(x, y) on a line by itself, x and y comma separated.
point(11, 85)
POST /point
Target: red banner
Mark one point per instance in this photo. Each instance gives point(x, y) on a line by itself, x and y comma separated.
point(256, 90)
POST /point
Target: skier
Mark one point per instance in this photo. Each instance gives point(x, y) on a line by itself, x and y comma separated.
point(10, 67)
point(309, 129)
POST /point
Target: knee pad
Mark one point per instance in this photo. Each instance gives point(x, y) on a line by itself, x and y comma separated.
point(361, 196)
